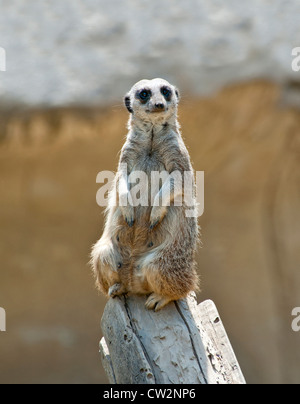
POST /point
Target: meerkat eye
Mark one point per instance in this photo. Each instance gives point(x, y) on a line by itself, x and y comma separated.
point(144, 95)
point(166, 92)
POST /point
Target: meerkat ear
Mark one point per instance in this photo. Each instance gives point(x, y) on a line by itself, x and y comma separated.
point(177, 94)
point(128, 103)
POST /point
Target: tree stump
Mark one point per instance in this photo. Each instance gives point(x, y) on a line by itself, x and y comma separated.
point(184, 343)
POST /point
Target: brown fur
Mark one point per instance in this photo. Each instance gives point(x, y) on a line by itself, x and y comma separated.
point(149, 249)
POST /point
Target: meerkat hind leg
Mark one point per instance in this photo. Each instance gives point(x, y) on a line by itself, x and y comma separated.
point(156, 302)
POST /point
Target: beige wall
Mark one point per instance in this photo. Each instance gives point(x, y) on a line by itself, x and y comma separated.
point(248, 146)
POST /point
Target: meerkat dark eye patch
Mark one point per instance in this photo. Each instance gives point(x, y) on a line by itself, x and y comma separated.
point(166, 92)
point(144, 95)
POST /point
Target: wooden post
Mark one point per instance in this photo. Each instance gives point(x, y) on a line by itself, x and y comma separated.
point(184, 343)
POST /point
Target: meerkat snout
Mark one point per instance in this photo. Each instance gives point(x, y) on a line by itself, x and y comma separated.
point(159, 107)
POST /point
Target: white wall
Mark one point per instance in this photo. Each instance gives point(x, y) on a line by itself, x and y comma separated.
point(91, 51)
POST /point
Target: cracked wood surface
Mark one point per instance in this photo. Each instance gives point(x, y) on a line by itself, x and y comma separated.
point(185, 343)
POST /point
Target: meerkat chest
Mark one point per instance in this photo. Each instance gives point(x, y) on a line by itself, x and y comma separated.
point(148, 167)
point(153, 151)
point(150, 160)
point(148, 163)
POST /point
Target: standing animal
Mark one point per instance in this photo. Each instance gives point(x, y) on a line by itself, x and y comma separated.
point(149, 248)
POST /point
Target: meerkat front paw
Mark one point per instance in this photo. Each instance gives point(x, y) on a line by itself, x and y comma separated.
point(128, 214)
point(116, 290)
point(156, 302)
point(157, 215)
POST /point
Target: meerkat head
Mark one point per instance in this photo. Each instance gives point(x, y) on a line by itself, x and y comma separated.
point(152, 100)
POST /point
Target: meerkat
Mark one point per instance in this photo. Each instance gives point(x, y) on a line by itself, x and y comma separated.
point(149, 250)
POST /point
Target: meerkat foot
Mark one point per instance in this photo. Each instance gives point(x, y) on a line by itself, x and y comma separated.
point(116, 290)
point(156, 302)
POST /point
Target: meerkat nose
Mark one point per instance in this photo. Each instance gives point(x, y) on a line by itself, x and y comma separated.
point(160, 106)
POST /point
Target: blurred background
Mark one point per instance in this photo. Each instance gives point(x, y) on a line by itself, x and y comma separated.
point(68, 65)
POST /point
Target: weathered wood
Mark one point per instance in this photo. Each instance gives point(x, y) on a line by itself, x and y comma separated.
point(106, 361)
point(185, 343)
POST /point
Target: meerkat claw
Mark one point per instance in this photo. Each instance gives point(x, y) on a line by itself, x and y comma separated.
point(130, 222)
point(116, 290)
point(154, 224)
point(156, 302)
